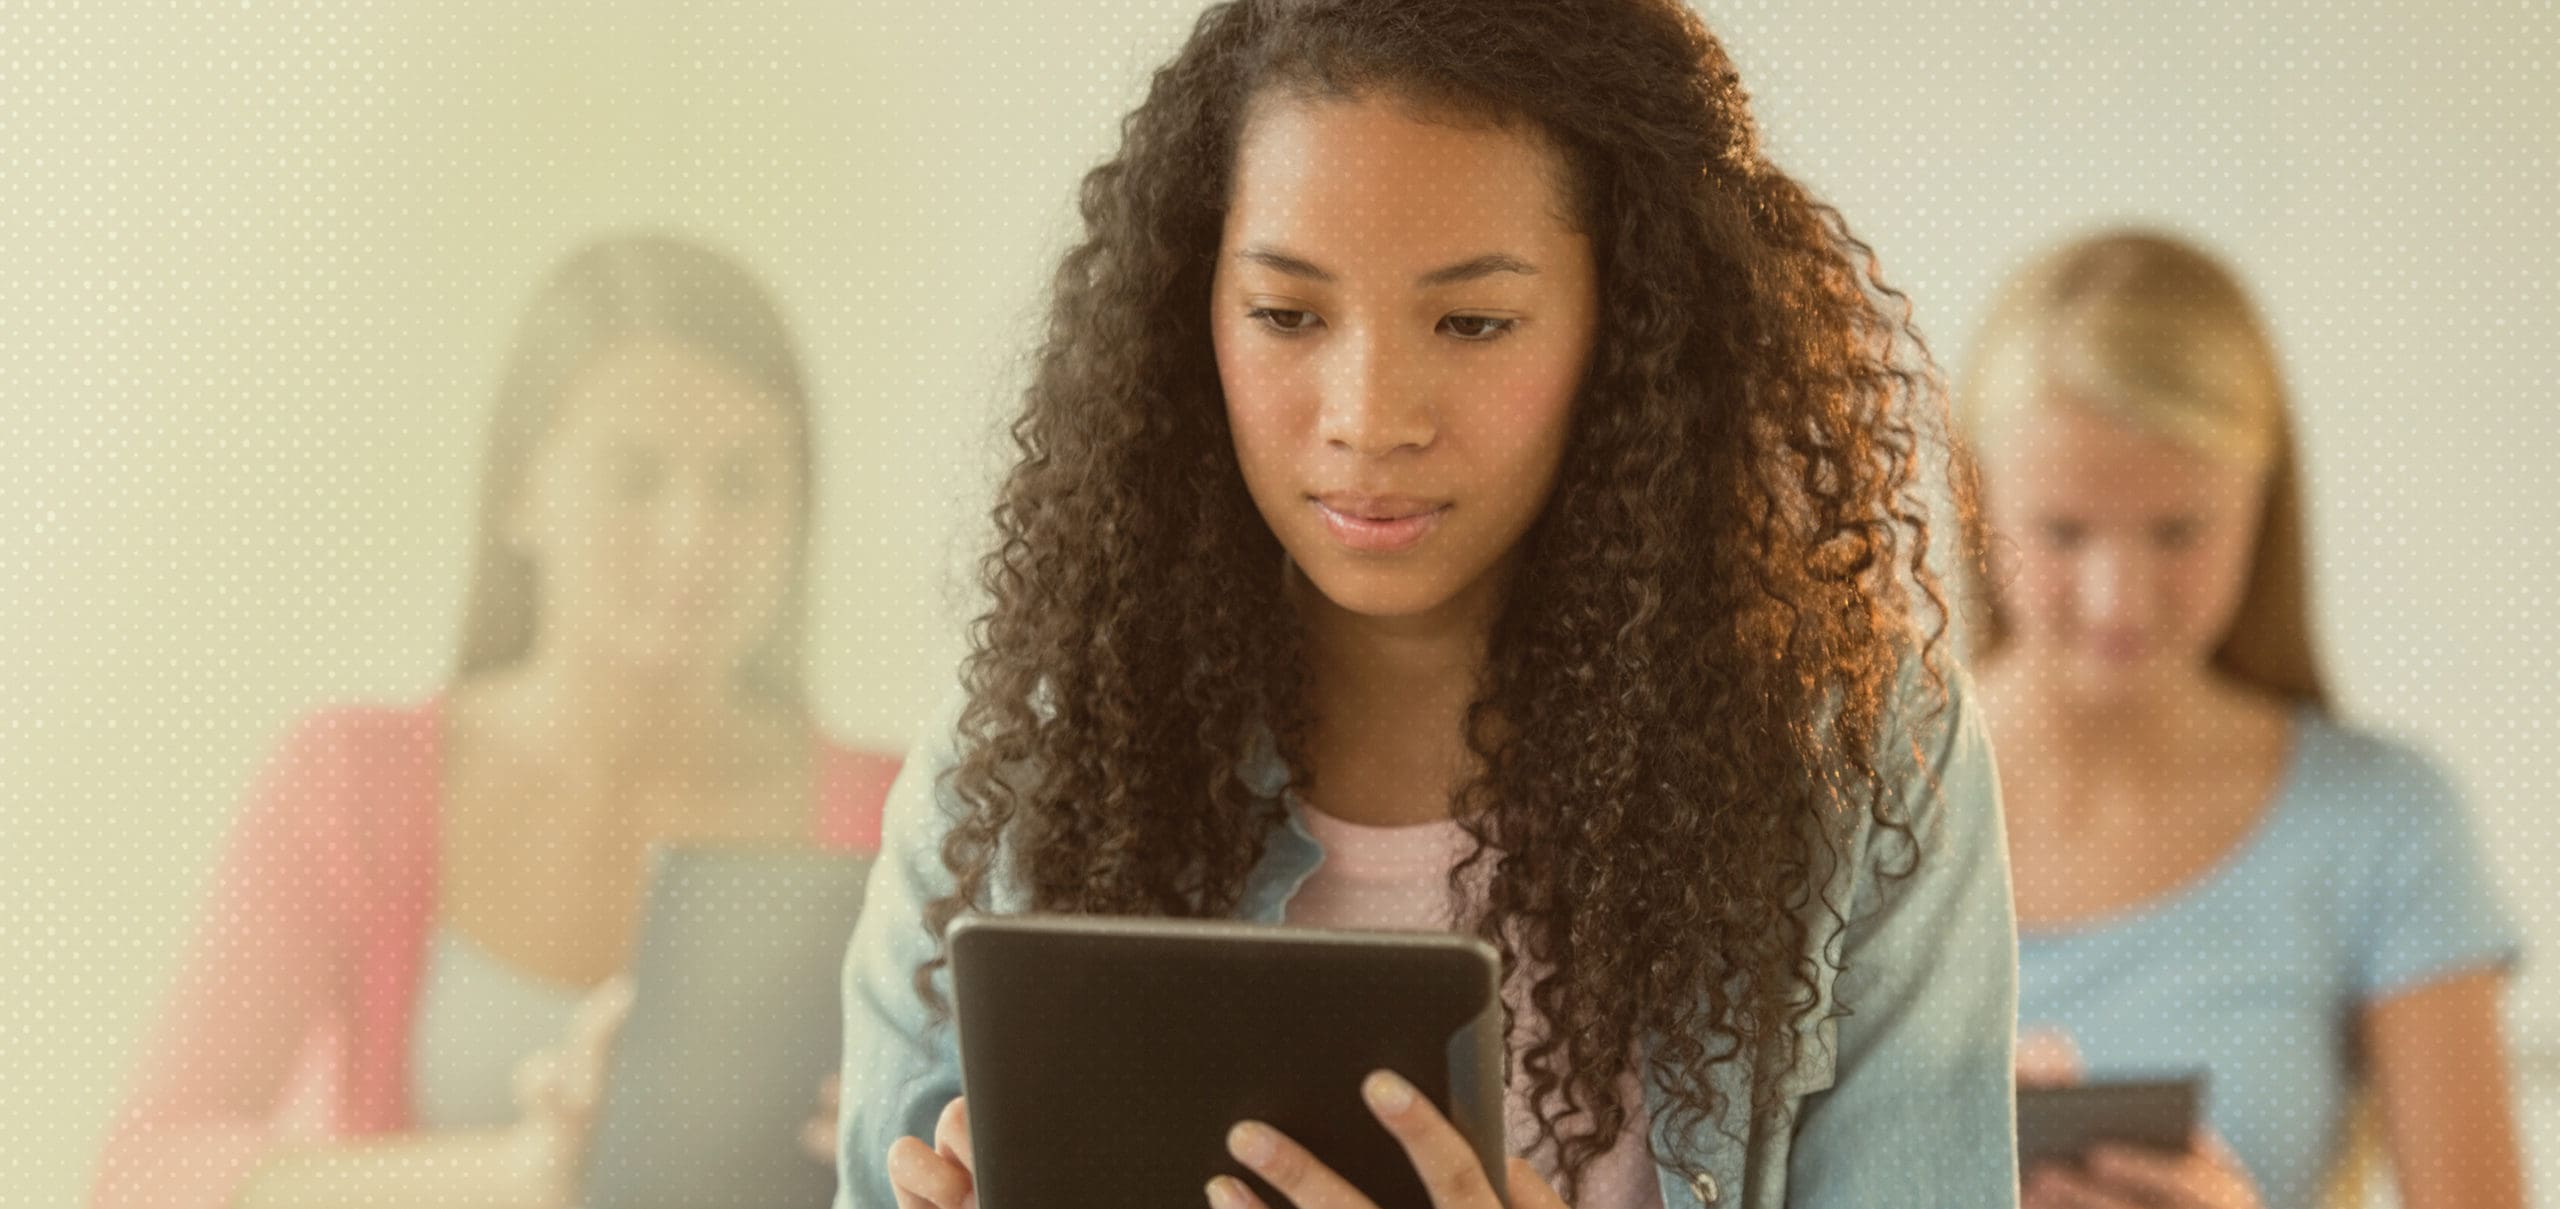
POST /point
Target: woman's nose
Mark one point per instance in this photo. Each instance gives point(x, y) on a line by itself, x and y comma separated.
point(687, 517)
point(2113, 586)
point(1374, 402)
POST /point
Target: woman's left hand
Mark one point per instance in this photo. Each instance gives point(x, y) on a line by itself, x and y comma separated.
point(2206, 1176)
point(1446, 1163)
point(818, 1133)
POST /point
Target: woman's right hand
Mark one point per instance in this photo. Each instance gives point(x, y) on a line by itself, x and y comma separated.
point(939, 1176)
point(556, 1091)
point(2047, 1057)
point(2204, 1176)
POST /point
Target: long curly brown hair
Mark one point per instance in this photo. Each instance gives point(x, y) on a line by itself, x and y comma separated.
point(1693, 669)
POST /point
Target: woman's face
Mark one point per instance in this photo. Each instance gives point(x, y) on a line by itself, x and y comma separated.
point(662, 513)
point(2132, 549)
point(1402, 313)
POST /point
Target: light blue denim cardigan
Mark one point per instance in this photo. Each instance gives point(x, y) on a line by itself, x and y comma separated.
point(1904, 1101)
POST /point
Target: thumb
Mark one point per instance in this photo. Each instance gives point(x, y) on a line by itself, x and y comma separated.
point(2209, 1142)
point(537, 1084)
point(592, 1031)
point(2048, 1057)
point(951, 1134)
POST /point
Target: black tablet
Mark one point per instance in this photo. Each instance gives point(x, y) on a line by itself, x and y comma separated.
point(2061, 1124)
point(1105, 1059)
point(735, 1017)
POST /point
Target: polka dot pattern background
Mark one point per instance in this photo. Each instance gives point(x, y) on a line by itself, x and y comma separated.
point(258, 261)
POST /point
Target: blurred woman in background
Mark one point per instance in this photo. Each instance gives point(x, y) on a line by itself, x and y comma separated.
point(2212, 870)
point(413, 944)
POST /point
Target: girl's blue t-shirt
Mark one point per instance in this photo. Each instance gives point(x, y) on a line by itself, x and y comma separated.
point(2363, 879)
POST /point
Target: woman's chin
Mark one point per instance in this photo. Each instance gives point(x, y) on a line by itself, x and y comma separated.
point(671, 664)
point(2104, 681)
point(1386, 590)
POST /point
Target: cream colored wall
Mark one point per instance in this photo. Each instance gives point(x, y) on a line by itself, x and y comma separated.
point(256, 262)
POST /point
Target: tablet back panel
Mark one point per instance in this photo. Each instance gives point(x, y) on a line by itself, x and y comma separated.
point(2061, 1124)
point(735, 1017)
point(1105, 1059)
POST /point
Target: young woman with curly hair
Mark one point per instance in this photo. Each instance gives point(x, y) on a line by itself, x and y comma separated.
point(1466, 485)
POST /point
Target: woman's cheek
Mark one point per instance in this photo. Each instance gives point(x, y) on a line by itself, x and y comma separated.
point(1257, 394)
point(2040, 599)
point(1531, 413)
point(2209, 587)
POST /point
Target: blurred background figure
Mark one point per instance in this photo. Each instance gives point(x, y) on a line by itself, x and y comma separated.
point(403, 987)
point(2213, 871)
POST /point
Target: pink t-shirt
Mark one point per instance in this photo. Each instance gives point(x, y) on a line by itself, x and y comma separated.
point(1397, 878)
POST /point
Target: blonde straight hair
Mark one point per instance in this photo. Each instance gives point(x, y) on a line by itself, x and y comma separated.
point(2155, 333)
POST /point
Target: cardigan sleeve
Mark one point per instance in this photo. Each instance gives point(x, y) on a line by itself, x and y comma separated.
point(264, 973)
point(1922, 1109)
point(901, 1062)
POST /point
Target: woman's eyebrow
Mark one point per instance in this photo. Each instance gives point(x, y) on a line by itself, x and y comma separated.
point(1465, 270)
point(1482, 266)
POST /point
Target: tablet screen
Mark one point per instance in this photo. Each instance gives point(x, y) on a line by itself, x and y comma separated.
point(1104, 1060)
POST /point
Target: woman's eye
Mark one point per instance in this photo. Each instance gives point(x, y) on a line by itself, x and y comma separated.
point(1286, 322)
point(2063, 535)
point(1477, 327)
point(2174, 535)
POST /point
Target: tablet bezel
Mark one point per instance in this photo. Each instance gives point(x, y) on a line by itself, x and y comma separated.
point(1466, 1084)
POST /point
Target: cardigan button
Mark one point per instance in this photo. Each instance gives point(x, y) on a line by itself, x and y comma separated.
point(1703, 1186)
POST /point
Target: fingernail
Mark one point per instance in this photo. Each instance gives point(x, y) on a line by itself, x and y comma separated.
point(1252, 1143)
point(1387, 1092)
point(1225, 1193)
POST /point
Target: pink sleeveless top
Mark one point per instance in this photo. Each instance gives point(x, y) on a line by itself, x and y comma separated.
point(301, 985)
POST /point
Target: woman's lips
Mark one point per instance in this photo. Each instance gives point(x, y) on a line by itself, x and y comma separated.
point(1378, 524)
point(2119, 648)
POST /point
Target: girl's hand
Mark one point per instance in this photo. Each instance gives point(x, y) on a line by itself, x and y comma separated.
point(555, 1092)
point(818, 1133)
point(1446, 1163)
point(940, 1176)
point(2047, 1057)
point(2207, 1176)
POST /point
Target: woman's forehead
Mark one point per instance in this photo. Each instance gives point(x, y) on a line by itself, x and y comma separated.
point(657, 389)
point(2070, 456)
point(1377, 183)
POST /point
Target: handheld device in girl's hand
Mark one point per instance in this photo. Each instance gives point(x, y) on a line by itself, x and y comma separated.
point(2062, 1124)
point(734, 1020)
point(1104, 1059)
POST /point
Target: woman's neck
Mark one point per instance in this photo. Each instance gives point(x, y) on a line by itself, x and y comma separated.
point(1390, 698)
point(611, 731)
point(2118, 738)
